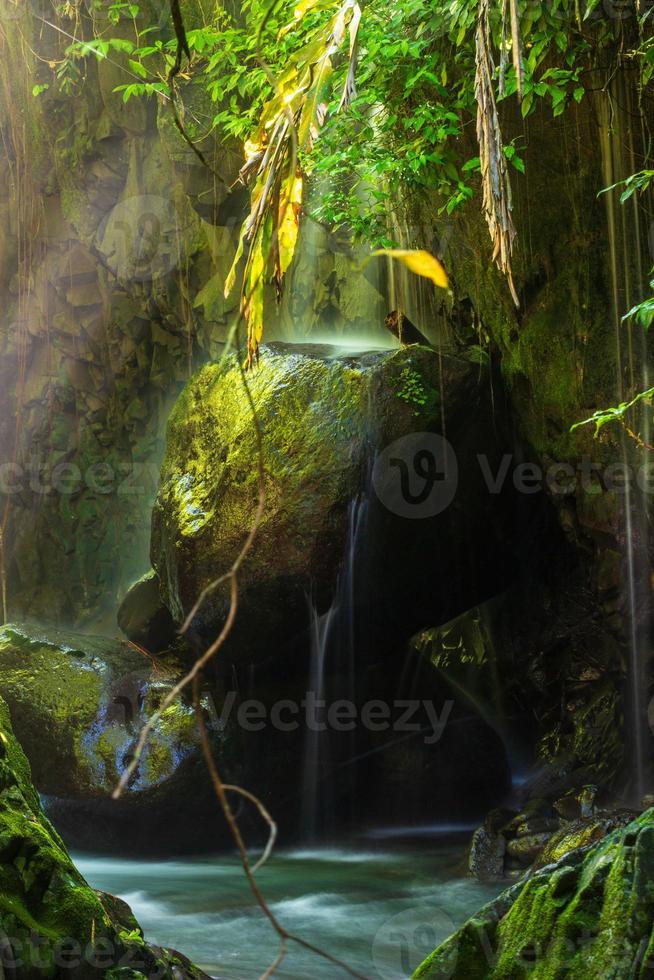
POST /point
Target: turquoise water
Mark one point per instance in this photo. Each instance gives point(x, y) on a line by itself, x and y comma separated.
point(380, 908)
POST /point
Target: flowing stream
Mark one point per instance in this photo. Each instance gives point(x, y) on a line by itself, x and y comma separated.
point(381, 906)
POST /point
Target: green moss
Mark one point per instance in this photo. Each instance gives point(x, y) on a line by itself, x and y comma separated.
point(590, 915)
point(590, 737)
point(87, 696)
point(60, 683)
point(41, 889)
point(46, 907)
point(310, 411)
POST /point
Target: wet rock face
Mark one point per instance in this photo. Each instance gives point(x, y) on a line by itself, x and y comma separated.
point(540, 834)
point(77, 705)
point(486, 858)
point(51, 922)
point(590, 914)
point(433, 538)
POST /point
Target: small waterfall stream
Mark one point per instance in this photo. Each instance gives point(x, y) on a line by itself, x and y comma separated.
point(314, 761)
point(333, 675)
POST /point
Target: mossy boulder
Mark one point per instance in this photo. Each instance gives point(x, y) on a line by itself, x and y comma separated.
point(590, 914)
point(77, 705)
point(52, 923)
point(326, 421)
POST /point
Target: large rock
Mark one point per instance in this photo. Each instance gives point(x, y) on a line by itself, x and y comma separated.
point(77, 705)
point(52, 923)
point(590, 914)
point(143, 618)
point(325, 419)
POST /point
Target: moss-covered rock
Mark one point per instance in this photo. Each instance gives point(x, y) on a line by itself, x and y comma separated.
point(324, 419)
point(581, 833)
point(78, 704)
point(51, 922)
point(590, 914)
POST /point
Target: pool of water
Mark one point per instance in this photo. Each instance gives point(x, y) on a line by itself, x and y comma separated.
point(380, 907)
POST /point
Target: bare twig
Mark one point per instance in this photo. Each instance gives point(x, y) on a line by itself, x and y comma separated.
point(183, 49)
point(266, 816)
point(277, 961)
point(638, 439)
point(175, 691)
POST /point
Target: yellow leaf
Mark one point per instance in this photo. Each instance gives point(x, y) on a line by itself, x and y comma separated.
point(289, 216)
point(255, 282)
point(231, 275)
point(419, 261)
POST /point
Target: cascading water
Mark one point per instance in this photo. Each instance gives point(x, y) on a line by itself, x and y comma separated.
point(333, 675)
point(626, 265)
point(314, 762)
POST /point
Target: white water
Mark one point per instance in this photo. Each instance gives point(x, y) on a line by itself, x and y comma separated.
point(381, 909)
point(315, 750)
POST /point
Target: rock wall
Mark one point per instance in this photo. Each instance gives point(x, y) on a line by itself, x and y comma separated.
point(581, 261)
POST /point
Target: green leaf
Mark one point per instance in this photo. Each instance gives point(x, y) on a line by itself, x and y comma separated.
point(138, 68)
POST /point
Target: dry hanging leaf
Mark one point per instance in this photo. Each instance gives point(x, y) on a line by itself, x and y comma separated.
point(290, 123)
point(496, 186)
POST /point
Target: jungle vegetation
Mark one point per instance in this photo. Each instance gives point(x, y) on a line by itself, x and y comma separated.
point(369, 103)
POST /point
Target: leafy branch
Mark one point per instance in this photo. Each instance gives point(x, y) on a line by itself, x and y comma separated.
point(642, 313)
point(603, 416)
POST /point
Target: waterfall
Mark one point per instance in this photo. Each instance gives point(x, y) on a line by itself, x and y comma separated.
point(626, 266)
point(333, 675)
point(315, 761)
